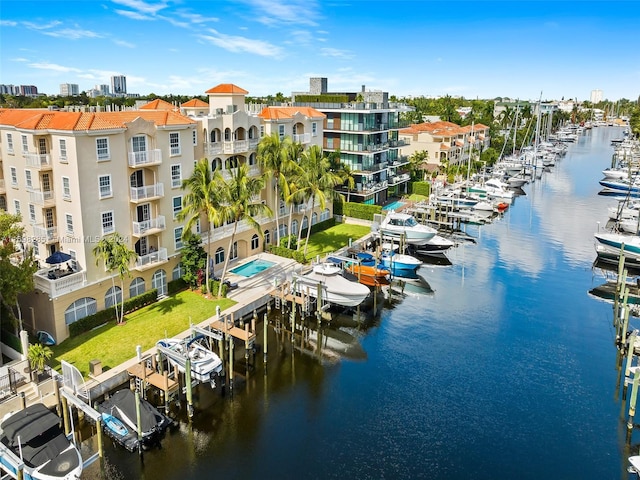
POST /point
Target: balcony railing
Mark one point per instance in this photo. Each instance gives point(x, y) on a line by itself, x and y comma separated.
point(255, 170)
point(214, 148)
point(237, 146)
point(39, 161)
point(148, 192)
point(148, 157)
point(302, 138)
point(153, 225)
point(41, 198)
point(44, 234)
point(227, 230)
point(151, 259)
point(253, 143)
point(56, 283)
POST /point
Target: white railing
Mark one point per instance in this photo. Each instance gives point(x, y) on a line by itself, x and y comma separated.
point(302, 138)
point(146, 192)
point(37, 160)
point(153, 258)
point(227, 230)
point(58, 286)
point(237, 146)
point(157, 223)
point(253, 143)
point(148, 157)
point(44, 234)
point(214, 148)
point(255, 170)
point(41, 198)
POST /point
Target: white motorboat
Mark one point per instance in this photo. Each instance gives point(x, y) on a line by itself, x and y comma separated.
point(32, 437)
point(335, 288)
point(609, 245)
point(400, 264)
point(205, 364)
point(402, 225)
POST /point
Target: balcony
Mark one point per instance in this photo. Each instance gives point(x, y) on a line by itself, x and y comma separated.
point(226, 230)
point(40, 162)
point(238, 146)
point(148, 227)
point(148, 192)
point(145, 262)
point(44, 199)
point(255, 170)
point(146, 158)
point(253, 143)
point(214, 148)
point(44, 234)
point(405, 177)
point(58, 282)
point(302, 138)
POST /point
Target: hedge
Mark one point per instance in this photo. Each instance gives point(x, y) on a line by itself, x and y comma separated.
point(287, 253)
point(104, 316)
point(361, 210)
point(421, 188)
point(214, 285)
point(177, 285)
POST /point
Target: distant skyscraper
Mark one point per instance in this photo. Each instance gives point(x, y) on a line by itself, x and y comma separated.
point(69, 89)
point(119, 85)
point(596, 96)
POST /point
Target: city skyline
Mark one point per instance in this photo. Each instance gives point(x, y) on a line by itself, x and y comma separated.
point(409, 48)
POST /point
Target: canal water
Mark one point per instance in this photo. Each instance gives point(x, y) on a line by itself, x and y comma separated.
point(505, 368)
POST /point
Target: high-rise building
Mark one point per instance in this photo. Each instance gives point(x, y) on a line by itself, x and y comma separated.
point(596, 96)
point(69, 89)
point(119, 85)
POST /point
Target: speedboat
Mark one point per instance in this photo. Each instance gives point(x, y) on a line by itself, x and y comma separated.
point(32, 437)
point(369, 275)
point(400, 264)
point(205, 364)
point(609, 245)
point(404, 226)
point(334, 287)
point(122, 406)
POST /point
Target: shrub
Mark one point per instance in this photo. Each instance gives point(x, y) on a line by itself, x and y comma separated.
point(421, 188)
point(214, 285)
point(361, 210)
point(284, 241)
point(298, 256)
point(177, 285)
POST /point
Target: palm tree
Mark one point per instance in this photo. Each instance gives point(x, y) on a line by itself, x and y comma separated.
point(202, 198)
point(38, 356)
point(117, 256)
point(240, 197)
point(317, 181)
point(274, 156)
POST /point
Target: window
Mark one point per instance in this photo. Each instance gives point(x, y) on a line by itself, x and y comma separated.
point(16, 205)
point(219, 256)
point(66, 188)
point(9, 143)
point(261, 131)
point(63, 150)
point(102, 149)
point(194, 137)
point(104, 182)
point(314, 129)
point(174, 143)
point(314, 218)
point(14, 176)
point(176, 176)
point(107, 222)
point(177, 237)
point(27, 178)
point(113, 297)
point(177, 206)
point(324, 215)
point(25, 144)
point(281, 131)
point(255, 242)
point(267, 237)
point(137, 287)
point(69, 220)
point(177, 272)
point(32, 213)
point(36, 250)
point(234, 251)
point(79, 309)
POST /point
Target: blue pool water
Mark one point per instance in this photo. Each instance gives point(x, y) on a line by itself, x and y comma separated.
point(252, 268)
point(393, 205)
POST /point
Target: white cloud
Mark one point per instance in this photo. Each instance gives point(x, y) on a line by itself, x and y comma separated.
point(53, 67)
point(236, 44)
point(124, 43)
point(142, 7)
point(72, 33)
point(273, 12)
point(8, 23)
point(336, 53)
point(196, 17)
point(134, 15)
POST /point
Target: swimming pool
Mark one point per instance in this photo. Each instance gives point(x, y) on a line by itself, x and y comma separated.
point(393, 205)
point(252, 268)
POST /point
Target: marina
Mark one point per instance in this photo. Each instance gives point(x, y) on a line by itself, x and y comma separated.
point(466, 370)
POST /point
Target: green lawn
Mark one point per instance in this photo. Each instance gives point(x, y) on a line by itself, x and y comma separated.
point(113, 344)
point(334, 238)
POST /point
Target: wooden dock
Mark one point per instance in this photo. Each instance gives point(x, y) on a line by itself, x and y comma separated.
point(149, 375)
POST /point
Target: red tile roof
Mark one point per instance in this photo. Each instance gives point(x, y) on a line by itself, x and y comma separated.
point(276, 113)
point(195, 102)
point(227, 88)
point(158, 104)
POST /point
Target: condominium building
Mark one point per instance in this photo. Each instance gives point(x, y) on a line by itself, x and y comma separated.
point(63, 173)
point(69, 89)
point(446, 143)
point(363, 126)
point(119, 85)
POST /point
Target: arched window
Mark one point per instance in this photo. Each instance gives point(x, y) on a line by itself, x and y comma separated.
point(324, 215)
point(255, 242)
point(314, 218)
point(177, 272)
point(137, 287)
point(213, 136)
point(294, 227)
point(79, 309)
point(283, 230)
point(219, 256)
point(305, 222)
point(267, 237)
point(113, 297)
point(283, 208)
point(253, 159)
point(227, 134)
point(234, 251)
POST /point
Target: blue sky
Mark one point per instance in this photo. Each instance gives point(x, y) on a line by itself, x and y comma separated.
point(476, 49)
